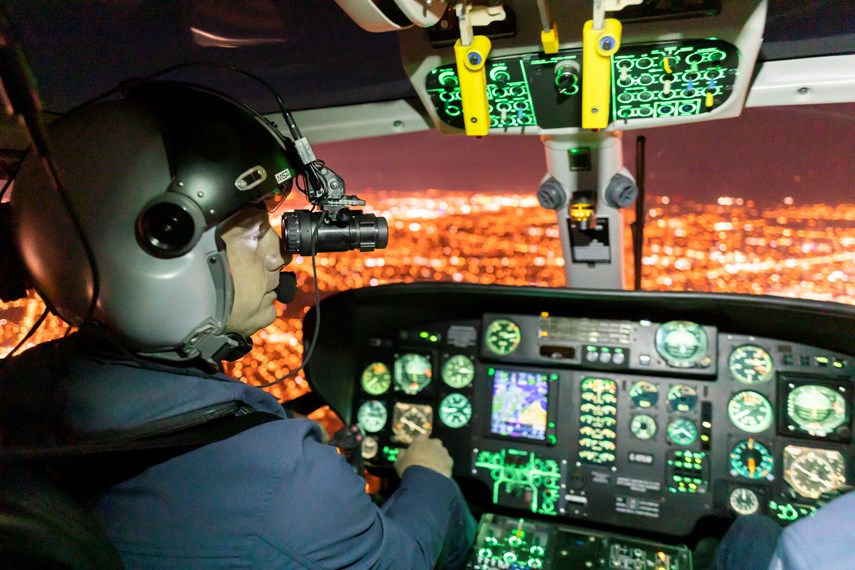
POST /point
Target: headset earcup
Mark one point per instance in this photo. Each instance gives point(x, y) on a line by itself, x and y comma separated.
point(169, 226)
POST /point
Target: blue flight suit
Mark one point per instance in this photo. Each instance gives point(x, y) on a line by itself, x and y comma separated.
point(272, 496)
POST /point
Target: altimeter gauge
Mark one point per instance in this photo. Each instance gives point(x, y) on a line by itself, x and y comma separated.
point(751, 364)
point(502, 336)
point(411, 420)
point(750, 411)
point(455, 410)
point(458, 371)
point(376, 378)
point(813, 472)
point(372, 416)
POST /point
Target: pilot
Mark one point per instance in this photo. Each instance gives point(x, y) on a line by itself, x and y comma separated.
point(168, 185)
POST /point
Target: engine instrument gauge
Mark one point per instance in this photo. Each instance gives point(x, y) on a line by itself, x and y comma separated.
point(750, 364)
point(372, 416)
point(682, 398)
point(455, 410)
point(412, 373)
point(458, 371)
point(750, 411)
point(752, 460)
point(643, 426)
point(644, 394)
point(817, 410)
point(744, 501)
point(502, 336)
point(410, 420)
point(376, 378)
point(813, 472)
point(370, 447)
point(683, 344)
point(682, 431)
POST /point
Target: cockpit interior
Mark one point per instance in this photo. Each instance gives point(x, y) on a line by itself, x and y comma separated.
point(592, 424)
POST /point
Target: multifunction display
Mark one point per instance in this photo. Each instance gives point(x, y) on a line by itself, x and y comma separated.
point(520, 404)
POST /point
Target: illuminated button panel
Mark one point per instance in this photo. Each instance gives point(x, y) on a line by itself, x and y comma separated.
point(672, 79)
point(508, 94)
point(668, 79)
point(520, 479)
point(688, 472)
point(504, 542)
point(597, 421)
point(520, 544)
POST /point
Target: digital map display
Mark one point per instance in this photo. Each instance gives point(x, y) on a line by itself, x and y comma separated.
point(520, 403)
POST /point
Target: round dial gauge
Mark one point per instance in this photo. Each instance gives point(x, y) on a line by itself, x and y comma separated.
point(502, 336)
point(750, 411)
point(682, 398)
point(455, 410)
point(813, 472)
point(410, 420)
point(372, 416)
point(370, 447)
point(682, 431)
point(816, 409)
point(412, 373)
point(458, 371)
point(642, 426)
point(744, 501)
point(682, 344)
point(376, 378)
point(752, 460)
point(750, 364)
point(644, 394)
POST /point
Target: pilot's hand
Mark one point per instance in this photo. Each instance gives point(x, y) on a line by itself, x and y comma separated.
point(426, 452)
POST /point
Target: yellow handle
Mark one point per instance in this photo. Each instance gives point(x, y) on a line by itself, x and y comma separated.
point(598, 46)
point(471, 70)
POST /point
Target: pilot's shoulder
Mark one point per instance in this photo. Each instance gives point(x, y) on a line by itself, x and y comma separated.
point(821, 541)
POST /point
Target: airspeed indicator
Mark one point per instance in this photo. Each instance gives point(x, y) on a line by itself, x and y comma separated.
point(376, 378)
point(750, 364)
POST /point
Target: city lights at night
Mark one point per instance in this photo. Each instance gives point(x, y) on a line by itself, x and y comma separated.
point(726, 246)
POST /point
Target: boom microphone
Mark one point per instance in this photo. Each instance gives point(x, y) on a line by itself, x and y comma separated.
point(286, 291)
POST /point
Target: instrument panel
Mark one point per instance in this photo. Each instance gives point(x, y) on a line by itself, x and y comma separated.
point(662, 79)
point(623, 422)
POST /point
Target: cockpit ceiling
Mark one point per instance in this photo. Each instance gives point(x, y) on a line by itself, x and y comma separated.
point(310, 51)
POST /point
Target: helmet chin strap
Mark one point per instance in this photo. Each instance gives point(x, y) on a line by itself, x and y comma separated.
point(235, 347)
